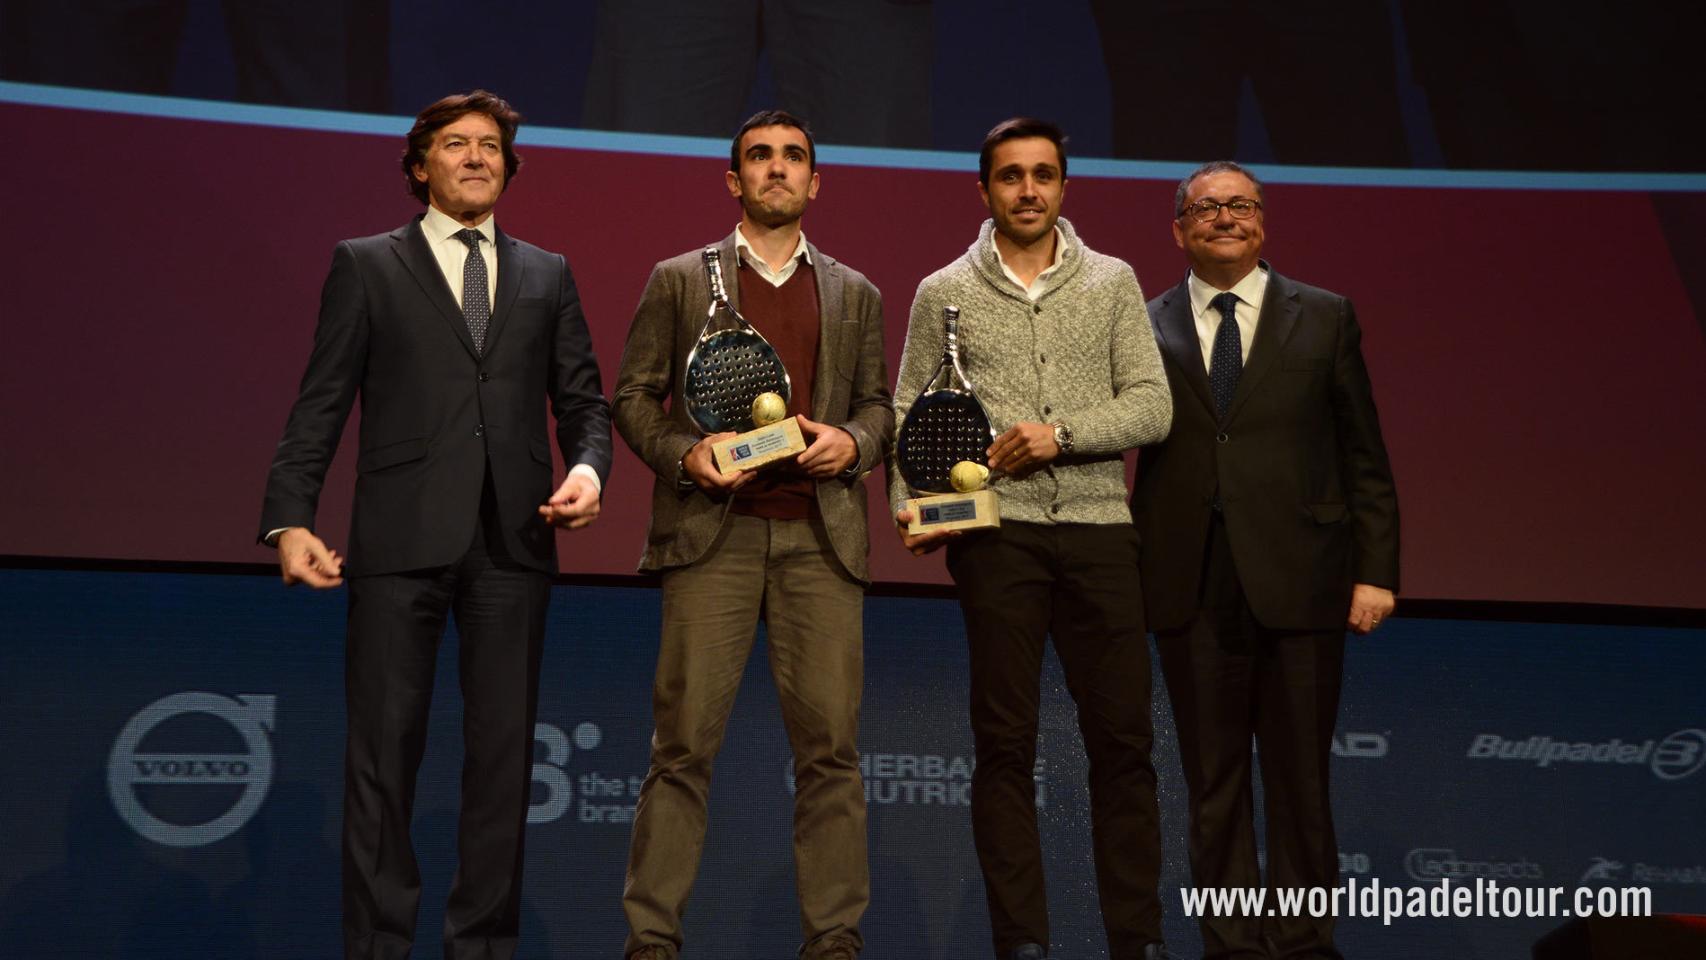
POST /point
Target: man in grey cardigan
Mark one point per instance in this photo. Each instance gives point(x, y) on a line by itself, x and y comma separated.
point(1055, 338)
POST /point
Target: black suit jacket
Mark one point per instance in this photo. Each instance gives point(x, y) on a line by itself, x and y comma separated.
point(1298, 465)
point(434, 413)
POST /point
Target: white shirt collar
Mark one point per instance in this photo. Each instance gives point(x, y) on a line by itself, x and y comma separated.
point(439, 226)
point(1040, 284)
point(1248, 290)
point(775, 278)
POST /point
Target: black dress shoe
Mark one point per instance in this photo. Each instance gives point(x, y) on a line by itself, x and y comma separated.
point(1028, 951)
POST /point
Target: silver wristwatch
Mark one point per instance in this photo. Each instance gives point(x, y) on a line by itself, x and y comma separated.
point(1062, 436)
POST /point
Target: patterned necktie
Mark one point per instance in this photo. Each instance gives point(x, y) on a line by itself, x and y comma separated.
point(1227, 360)
point(476, 299)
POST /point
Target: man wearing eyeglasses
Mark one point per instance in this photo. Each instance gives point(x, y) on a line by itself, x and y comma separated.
point(1269, 523)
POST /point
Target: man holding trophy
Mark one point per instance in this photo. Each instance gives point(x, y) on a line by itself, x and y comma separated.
point(1052, 339)
point(762, 323)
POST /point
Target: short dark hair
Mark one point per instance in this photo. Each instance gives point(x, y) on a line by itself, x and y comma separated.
point(447, 111)
point(1018, 128)
point(1213, 166)
point(772, 118)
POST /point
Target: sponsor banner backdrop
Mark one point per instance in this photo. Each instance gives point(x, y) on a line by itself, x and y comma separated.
point(173, 745)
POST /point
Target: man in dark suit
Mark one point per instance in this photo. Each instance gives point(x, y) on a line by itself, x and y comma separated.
point(788, 544)
point(452, 333)
point(1270, 524)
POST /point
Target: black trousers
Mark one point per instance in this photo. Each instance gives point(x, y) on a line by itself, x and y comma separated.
point(1230, 679)
point(1020, 584)
point(395, 624)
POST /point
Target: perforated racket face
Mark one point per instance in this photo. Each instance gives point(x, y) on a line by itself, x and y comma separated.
point(726, 371)
point(942, 428)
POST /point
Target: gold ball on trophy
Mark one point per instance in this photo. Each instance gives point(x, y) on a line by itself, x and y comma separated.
point(968, 476)
point(767, 408)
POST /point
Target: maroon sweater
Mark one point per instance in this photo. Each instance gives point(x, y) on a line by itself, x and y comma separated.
point(787, 316)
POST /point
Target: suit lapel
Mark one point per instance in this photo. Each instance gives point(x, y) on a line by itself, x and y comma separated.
point(1178, 332)
point(1273, 328)
point(410, 245)
point(830, 293)
point(510, 268)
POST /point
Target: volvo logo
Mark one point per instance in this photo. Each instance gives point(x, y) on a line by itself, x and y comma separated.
point(130, 767)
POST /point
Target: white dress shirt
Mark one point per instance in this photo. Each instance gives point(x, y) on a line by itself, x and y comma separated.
point(773, 277)
point(1039, 285)
point(1249, 291)
point(452, 254)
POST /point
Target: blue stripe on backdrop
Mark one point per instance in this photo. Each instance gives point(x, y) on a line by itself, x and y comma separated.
point(328, 120)
point(172, 772)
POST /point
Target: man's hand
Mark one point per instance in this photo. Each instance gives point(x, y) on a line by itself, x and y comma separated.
point(1022, 449)
point(702, 469)
point(923, 543)
point(830, 452)
point(574, 505)
point(1369, 606)
point(304, 558)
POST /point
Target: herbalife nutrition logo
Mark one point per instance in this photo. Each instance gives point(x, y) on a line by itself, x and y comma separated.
point(1677, 756)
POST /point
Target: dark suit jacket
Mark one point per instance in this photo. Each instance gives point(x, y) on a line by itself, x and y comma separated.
point(433, 412)
point(1298, 462)
point(851, 391)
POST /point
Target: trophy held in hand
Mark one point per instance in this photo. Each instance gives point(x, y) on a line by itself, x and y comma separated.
point(943, 448)
point(735, 381)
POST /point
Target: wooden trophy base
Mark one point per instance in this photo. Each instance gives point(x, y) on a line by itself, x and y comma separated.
point(755, 448)
point(953, 511)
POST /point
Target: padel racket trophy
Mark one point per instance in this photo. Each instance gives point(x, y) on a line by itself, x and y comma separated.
point(735, 381)
point(943, 447)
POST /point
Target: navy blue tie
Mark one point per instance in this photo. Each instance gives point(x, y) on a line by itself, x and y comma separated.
point(1227, 360)
point(476, 299)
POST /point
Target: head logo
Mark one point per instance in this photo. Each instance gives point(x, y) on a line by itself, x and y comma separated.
point(128, 768)
point(1601, 871)
point(1363, 746)
point(1680, 754)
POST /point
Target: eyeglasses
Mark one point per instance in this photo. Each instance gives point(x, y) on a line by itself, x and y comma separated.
point(1205, 210)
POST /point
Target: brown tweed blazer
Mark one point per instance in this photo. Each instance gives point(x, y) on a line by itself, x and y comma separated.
point(851, 392)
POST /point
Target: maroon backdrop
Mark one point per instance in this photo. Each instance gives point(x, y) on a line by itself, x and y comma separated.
point(1536, 357)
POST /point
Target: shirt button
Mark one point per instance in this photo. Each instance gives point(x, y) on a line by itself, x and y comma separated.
point(1042, 358)
point(484, 376)
point(480, 430)
point(1036, 308)
point(1221, 438)
point(1055, 508)
point(1046, 411)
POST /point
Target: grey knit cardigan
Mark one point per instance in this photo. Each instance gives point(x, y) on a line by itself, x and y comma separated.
point(1083, 354)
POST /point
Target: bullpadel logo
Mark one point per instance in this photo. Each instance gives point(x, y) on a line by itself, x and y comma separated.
point(130, 766)
point(1675, 757)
